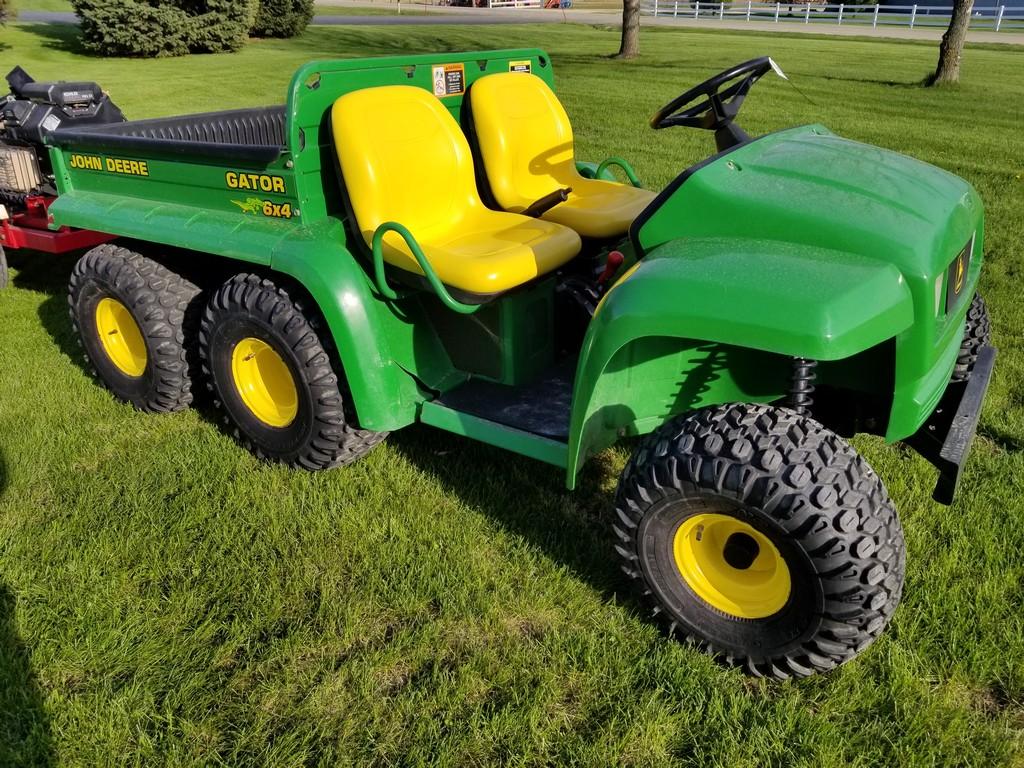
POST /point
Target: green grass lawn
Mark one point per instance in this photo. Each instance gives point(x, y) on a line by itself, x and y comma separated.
point(43, 5)
point(166, 599)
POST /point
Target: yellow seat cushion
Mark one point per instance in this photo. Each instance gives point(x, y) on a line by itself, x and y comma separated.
point(405, 159)
point(526, 145)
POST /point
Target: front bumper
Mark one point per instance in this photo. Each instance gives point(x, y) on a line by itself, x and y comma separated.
point(945, 437)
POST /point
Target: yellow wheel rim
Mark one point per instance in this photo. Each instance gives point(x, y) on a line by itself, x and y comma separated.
point(264, 382)
point(731, 565)
point(120, 337)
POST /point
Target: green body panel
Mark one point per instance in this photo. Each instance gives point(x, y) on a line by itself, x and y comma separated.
point(650, 379)
point(647, 356)
point(174, 191)
point(492, 433)
point(388, 360)
point(317, 85)
point(508, 341)
point(172, 224)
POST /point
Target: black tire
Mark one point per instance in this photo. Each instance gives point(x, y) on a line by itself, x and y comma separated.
point(322, 433)
point(977, 333)
point(802, 487)
point(4, 276)
point(159, 302)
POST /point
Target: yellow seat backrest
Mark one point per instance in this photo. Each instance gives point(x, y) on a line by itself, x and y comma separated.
point(403, 158)
point(524, 136)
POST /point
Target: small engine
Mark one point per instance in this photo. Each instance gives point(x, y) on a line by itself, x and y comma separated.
point(27, 115)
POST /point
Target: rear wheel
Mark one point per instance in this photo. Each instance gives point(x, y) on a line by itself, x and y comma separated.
point(762, 537)
point(129, 312)
point(273, 378)
point(3, 268)
point(977, 333)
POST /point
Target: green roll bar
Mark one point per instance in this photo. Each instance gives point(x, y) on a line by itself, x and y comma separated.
point(428, 271)
point(621, 163)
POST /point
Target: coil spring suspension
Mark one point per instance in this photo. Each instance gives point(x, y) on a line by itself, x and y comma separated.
point(801, 393)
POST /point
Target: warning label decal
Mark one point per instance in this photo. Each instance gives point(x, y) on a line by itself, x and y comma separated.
point(519, 66)
point(449, 79)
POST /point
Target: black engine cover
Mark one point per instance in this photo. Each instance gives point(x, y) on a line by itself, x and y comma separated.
point(35, 109)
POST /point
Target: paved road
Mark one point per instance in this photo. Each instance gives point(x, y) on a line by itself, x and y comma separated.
point(462, 16)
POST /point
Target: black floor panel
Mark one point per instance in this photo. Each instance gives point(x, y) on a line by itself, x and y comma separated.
point(541, 407)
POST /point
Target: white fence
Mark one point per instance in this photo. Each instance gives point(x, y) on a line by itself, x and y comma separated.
point(993, 18)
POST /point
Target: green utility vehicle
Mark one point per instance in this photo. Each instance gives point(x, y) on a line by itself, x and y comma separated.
point(412, 239)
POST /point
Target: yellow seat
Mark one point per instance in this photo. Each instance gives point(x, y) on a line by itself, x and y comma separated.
point(404, 159)
point(526, 145)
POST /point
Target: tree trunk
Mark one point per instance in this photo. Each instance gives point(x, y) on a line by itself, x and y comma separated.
point(952, 45)
point(629, 48)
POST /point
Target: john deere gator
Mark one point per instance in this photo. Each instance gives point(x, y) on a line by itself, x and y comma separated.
point(412, 239)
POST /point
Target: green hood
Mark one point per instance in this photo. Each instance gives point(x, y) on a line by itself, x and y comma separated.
point(843, 204)
point(808, 186)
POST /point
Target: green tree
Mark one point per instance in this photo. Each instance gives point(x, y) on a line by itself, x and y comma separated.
point(151, 28)
point(282, 18)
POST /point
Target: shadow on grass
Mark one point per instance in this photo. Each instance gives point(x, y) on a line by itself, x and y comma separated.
point(24, 726)
point(53, 315)
point(57, 36)
point(922, 83)
point(47, 273)
point(1003, 439)
point(41, 272)
point(528, 498)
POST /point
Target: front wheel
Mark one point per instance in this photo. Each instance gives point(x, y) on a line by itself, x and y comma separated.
point(273, 377)
point(762, 537)
point(977, 333)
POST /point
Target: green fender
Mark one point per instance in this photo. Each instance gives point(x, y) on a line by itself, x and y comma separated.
point(373, 342)
point(701, 321)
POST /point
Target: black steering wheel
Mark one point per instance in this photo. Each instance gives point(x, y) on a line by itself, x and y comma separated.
point(718, 109)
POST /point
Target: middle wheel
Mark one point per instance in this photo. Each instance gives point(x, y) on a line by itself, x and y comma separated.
point(273, 377)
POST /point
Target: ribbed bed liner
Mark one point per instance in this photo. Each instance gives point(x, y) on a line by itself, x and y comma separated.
point(248, 135)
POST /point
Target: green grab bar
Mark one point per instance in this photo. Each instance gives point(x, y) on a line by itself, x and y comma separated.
point(428, 271)
point(621, 163)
